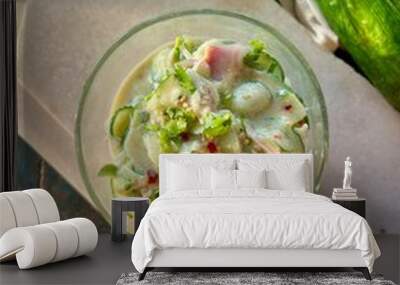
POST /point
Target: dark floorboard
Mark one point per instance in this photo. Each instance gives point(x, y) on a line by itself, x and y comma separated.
point(110, 260)
point(103, 266)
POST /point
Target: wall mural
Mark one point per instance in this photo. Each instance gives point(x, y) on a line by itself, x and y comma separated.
point(122, 84)
point(197, 93)
point(200, 96)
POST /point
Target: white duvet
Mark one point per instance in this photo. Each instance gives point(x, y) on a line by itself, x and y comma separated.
point(250, 219)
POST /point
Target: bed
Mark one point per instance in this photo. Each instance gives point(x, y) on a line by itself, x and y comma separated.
point(246, 211)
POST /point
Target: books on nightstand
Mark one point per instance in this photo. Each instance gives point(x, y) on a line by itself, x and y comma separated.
point(344, 194)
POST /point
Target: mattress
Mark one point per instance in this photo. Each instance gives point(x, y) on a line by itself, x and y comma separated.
point(250, 219)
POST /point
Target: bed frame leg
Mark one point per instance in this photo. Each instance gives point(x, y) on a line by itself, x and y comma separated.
point(364, 271)
point(143, 274)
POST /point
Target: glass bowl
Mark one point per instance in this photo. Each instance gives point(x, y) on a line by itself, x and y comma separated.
point(92, 147)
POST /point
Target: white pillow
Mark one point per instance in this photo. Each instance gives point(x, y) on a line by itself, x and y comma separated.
point(293, 179)
point(251, 178)
point(223, 179)
point(281, 174)
point(193, 174)
point(187, 177)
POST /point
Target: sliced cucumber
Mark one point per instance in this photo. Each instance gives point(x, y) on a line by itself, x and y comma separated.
point(230, 142)
point(126, 172)
point(287, 104)
point(250, 98)
point(108, 170)
point(284, 104)
point(270, 132)
point(123, 188)
point(276, 70)
point(120, 122)
point(260, 137)
point(289, 141)
point(166, 95)
point(194, 145)
point(152, 143)
point(302, 131)
point(134, 146)
point(161, 66)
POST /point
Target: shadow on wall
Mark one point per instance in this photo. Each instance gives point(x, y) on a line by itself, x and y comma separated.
point(34, 172)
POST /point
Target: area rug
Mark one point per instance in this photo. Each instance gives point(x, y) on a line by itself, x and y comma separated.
point(243, 278)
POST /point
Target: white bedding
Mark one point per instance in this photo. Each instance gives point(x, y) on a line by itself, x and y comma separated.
point(250, 219)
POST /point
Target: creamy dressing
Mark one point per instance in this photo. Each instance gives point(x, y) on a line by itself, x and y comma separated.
point(198, 96)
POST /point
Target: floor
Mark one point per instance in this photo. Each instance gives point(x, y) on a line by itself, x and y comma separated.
point(389, 262)
point(110, 260)
point(103, 266)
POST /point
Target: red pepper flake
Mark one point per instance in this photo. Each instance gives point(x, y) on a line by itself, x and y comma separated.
point(185, 137)
point(152, 176)
point(288, 107)
point(212, 147)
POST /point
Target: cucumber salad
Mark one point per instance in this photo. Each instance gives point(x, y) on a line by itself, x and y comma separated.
point(200, 96)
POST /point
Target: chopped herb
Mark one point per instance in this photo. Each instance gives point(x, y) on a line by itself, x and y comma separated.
point(190, 45)
point(176, 52)
point(152, 127)
point(258, 58)
point(154, 194)
point(168, 144)
point(226, 99)
point(217, 124)
point(179, 121)
point(252, 57)
point(184, 79)
point(183, 48)
point(175, 127)
point(180, 113)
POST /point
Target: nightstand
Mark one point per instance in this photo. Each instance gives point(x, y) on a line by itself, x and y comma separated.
point(356, 205)
point(120, 207)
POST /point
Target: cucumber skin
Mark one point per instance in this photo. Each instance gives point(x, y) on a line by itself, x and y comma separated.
point(114, 121)
point(370, 31)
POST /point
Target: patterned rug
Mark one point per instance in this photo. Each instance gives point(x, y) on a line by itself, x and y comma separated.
point(243, 278)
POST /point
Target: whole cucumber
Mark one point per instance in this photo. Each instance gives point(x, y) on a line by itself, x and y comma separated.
point(370, 32)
